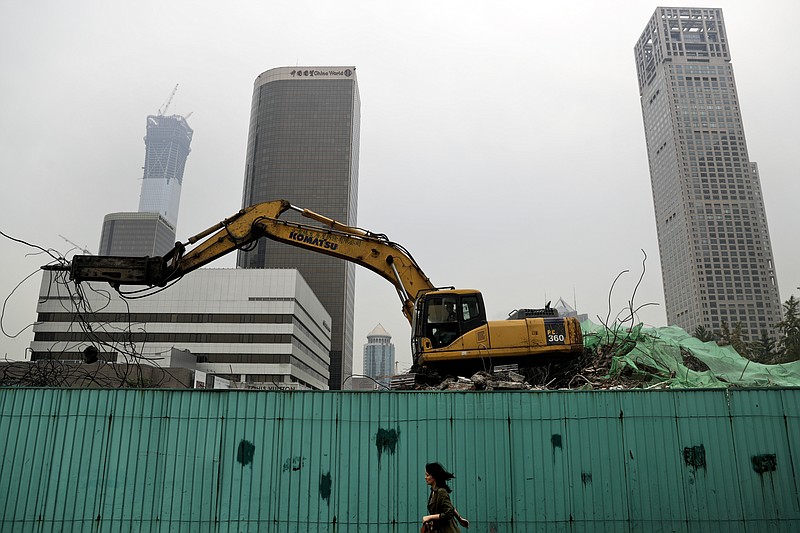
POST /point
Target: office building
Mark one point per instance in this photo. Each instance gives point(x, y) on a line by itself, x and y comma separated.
point(255, 328)
point(303, 147)
point(379, 356)
point(151, 231)
point(716, 257)
point(136, 234)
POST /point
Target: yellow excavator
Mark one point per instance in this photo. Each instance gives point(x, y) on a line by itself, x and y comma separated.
point(449, 330)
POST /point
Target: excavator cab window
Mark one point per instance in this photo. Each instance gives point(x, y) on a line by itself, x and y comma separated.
point(442, 321)
point(470, 308)
point(443, 318)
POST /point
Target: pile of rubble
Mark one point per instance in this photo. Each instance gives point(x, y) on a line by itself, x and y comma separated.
point(623, 357)
point(589, 372)
point(499, 379)
point(504, 380)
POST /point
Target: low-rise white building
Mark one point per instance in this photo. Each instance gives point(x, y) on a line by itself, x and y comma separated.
point(263, 327)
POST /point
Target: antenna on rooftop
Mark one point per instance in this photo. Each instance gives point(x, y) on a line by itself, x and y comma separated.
point(163, 109)
point(574, 299)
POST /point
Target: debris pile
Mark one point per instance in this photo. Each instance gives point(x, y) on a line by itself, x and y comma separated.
point(495, 380)
point(619, 357)
point(502, 380)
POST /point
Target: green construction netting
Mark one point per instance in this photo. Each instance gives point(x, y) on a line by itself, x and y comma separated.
point(670, 357)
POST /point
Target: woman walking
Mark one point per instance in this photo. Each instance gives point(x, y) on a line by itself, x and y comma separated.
point(441, 515)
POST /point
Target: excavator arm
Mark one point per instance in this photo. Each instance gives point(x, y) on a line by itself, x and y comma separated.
point(370, 250)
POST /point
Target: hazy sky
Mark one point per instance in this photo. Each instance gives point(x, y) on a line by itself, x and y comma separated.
point(501, 142)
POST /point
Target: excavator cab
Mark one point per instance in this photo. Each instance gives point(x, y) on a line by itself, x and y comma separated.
point(443, 316)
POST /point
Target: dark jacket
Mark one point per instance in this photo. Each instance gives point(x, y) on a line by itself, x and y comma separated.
point(439, 503)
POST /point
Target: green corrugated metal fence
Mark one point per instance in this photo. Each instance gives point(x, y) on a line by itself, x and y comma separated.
point(220, 461)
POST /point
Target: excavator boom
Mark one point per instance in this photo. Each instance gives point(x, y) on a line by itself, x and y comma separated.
point(373, 251)
point(450, 329)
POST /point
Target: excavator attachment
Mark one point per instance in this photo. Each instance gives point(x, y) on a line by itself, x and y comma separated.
point(119, 270)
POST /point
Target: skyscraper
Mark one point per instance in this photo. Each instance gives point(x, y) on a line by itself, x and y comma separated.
point(303, 147)
point(151, 231)
point(379, 356)
point(716, 256)
point(166, 149)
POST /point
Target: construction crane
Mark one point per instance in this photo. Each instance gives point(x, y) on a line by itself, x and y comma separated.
point(163, 109)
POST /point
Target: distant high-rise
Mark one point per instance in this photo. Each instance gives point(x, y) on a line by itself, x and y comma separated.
point(151, 231)
point(303, 147)
point(136, 234)
point(166, 149)
point(379, 356)
point(716, 256)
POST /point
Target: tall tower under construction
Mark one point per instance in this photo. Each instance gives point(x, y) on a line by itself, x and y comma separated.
point(716, 256)
point(166, 149)
point(151, 230)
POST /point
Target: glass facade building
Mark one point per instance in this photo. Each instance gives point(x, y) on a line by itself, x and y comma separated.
point(379, 356)
point(136, 234)
point(716, 257)
point(303, 146)
point(166, 149)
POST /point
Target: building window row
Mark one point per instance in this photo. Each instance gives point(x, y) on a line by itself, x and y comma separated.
point(142, 337)
point(174, 318)
point(66, 355)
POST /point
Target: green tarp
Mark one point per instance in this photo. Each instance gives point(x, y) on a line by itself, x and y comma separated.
point(670, 357)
